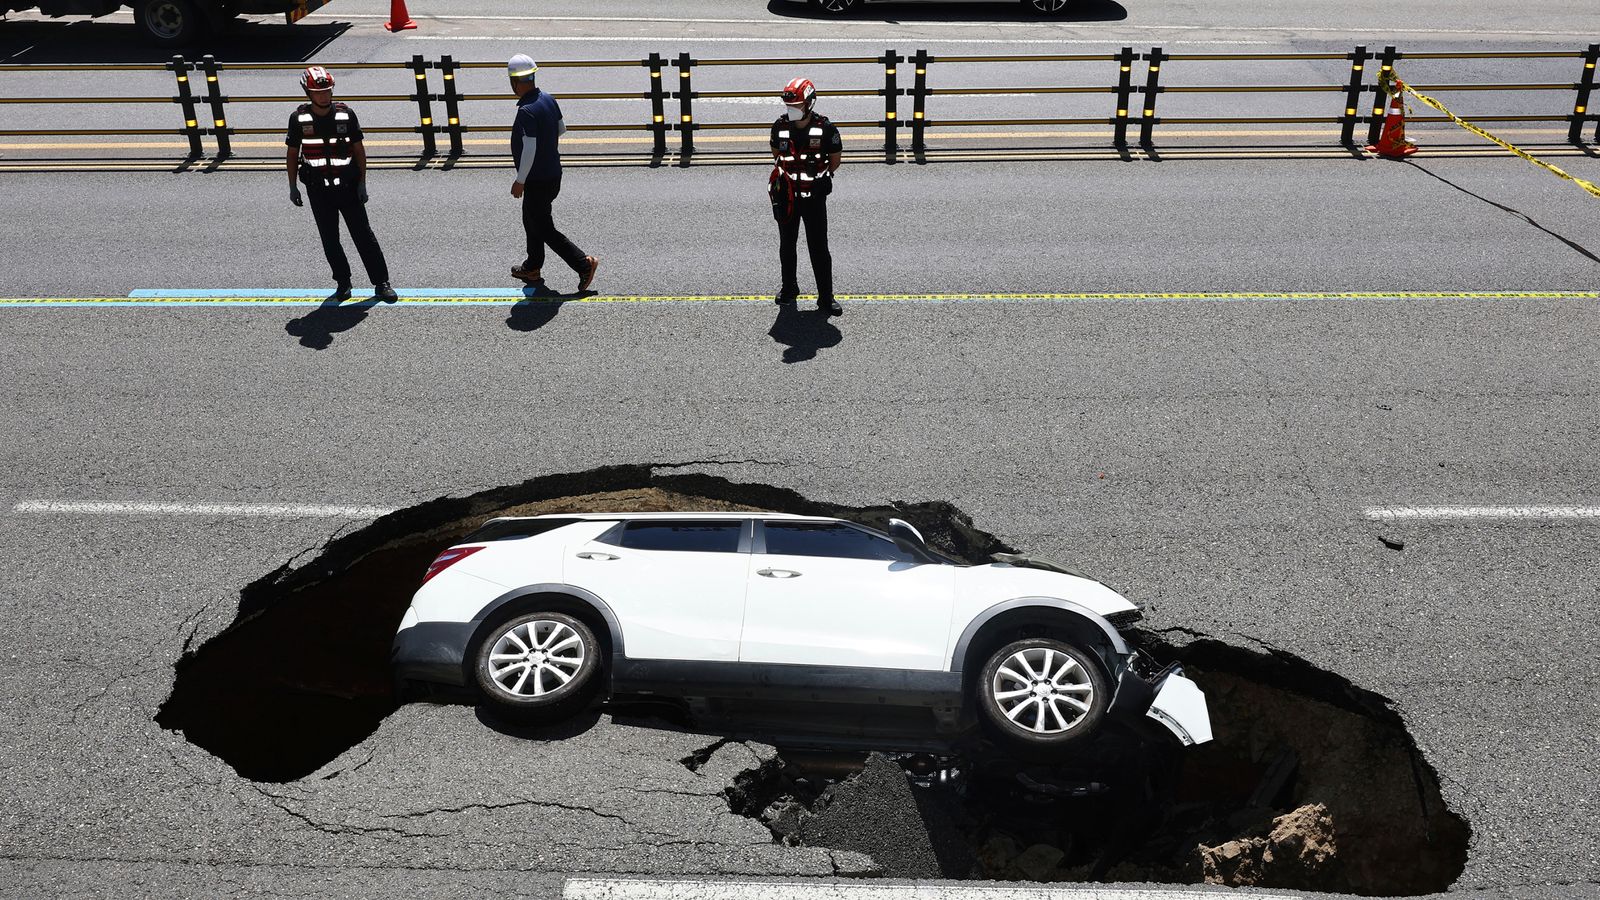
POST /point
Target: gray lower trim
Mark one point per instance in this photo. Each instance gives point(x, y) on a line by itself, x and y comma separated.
point(613, 625)
point(784, 682)
point(432, 652)
point(976, 625)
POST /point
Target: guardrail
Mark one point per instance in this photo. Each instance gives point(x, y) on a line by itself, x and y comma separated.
point(1139, 78)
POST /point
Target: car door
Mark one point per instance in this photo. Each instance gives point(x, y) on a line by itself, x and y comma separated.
point(832, 594)
point(676, 585)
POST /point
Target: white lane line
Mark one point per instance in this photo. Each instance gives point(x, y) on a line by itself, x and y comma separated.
point(1467, 513)
point(248, 510)
point(1064, 42)
point(661, 889)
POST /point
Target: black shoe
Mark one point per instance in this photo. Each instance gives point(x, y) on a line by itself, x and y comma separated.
point(787, 296)
point(340, 294)
point(385, 293)
point(829, 306)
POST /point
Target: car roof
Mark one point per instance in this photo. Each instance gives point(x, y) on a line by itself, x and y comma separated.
point(685, 514)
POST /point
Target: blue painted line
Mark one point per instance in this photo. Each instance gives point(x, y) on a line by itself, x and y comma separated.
point(320, 293)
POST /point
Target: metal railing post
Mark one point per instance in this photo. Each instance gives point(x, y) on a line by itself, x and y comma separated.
point(1124, 96)
point(1380, 100)
point(919, 102)
point(219, 118)
point(891, 123)
point(1152, 87)
point(419, 68)
point(452, 104)
point(1352, 95)
point(685, 106)
point(1580, 107)
point(185, 99)
point(658, 105)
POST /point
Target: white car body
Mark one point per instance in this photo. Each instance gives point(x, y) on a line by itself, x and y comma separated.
point(696, 622)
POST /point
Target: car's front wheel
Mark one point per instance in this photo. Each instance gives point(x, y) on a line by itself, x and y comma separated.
point(836, 7)
point(1049, 7)
point(1042, 693)
point(539, 664)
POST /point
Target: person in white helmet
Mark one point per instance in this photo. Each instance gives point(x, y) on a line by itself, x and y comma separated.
point(536, 152)
point(327, 156)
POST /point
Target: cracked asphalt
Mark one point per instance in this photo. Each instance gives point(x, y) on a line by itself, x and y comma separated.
point(1208, 459)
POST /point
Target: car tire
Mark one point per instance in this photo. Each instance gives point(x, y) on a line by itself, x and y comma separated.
point(836, 7)
point(170, 23)
point(1050, 7)
point(538, 665)
point(1029, 693)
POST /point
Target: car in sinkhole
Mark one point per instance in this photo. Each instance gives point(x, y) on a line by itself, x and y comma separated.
point(539, 616)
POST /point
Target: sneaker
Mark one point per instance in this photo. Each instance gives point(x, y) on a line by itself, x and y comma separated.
point(787, 296)
point(385, 293)
point(531, 276)
point(588, 276)
point(829, 306)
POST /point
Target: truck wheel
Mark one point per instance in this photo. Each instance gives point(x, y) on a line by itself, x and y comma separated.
point(170, 23)
point(1042, 693)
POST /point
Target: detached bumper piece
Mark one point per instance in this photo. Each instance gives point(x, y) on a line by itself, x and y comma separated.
point(1164, 696)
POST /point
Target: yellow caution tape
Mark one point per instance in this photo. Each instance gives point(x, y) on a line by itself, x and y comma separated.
point(1589, 186)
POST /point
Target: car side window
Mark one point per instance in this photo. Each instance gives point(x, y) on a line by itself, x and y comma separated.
point(701, 537)
point(830, 539)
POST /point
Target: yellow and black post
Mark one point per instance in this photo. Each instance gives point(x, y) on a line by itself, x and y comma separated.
point(419, 68)
point(1380, 95)
point(185, 100)
point(658, 106)
point(1152, 87)
point(1124, 96)
point(919, 101)
point(1352, 96)
point(685, 107)
point(1580, 107)
point(891, 124)
point(452, 103)
point(219, 119)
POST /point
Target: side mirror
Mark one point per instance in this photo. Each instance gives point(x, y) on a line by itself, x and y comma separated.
point(908, 538)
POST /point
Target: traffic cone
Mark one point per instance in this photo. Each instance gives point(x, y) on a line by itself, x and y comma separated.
point(1392, 143)
point(399, 19)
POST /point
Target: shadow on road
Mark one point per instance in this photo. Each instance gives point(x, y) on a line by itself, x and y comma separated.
point(539, 304)
point(93, 41)
point(1577, 247)
point(804, 332)
point(898, 11)
point(316, 329)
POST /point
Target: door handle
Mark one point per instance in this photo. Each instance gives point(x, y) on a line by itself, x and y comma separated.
point(778, 573)
point(592, 554)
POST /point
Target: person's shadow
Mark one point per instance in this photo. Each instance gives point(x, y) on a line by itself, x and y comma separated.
point(804, 332)
point(539, 304)
point(316, 329)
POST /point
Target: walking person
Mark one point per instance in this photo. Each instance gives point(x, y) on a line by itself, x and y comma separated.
point(536, 152)
point(807, 149)
point(326, 154)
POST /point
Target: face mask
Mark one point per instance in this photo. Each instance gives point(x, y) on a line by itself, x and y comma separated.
point(794, 113)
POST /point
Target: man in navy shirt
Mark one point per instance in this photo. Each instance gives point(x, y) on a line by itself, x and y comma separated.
point(536, 153)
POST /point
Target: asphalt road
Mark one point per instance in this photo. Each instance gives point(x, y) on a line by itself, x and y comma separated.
point(1213, 459)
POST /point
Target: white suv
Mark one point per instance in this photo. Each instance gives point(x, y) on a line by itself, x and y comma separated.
point(539, 614)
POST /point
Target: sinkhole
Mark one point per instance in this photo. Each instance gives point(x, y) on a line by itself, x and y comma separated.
point(1312, 783)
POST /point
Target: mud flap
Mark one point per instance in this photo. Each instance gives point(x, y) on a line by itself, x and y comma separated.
point(1181, 707)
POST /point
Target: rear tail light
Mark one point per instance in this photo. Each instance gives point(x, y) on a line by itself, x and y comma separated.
point(447, 559)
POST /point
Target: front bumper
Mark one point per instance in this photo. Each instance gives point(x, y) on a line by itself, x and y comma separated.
point(1166, 697)
point(432, 652)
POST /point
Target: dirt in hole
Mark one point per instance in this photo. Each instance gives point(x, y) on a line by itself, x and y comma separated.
point(1311, 783)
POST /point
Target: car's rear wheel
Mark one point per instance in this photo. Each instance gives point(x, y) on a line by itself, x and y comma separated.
point(836, 7)
point(538, 665)
point(1042, 693)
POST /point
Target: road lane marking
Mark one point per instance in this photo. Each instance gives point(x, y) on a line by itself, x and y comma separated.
point(580, 888)
point(1474, 513)
point(420, 297)
point(244, 510)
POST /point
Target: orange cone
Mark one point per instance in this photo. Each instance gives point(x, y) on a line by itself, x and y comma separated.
point(399, 19)
point(1392, 143)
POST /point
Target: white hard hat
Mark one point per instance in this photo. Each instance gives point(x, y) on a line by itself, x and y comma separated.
point(521, 66)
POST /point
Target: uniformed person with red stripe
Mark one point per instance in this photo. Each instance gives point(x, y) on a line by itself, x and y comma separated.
point(327, 156)
point(807, 149)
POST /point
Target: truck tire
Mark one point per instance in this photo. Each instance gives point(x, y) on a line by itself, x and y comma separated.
point(170, 23)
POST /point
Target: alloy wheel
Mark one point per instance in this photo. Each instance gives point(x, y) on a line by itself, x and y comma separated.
point(537, 658)
point(1043, 691)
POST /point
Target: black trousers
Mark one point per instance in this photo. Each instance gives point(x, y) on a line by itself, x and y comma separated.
point(328, 203)
point(813, 211)
point(537, 197)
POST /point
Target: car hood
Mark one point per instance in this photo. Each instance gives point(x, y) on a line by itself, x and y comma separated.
point(998, 582)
